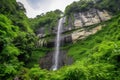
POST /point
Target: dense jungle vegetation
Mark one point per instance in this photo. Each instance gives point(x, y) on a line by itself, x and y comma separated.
point(96, 57)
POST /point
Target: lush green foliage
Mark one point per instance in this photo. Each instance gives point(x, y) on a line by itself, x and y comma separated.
point(9, 64)
point(83, 5)
point(110, 5)
point(17, 40)
point(101, 49)
point(15, 12)
point(96, 58)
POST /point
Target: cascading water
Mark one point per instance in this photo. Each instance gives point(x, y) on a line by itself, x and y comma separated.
point(57, 45)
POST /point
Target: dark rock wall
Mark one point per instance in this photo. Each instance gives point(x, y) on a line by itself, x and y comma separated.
point(47, 61)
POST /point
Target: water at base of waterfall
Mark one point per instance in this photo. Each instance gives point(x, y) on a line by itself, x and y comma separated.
point(54, 68)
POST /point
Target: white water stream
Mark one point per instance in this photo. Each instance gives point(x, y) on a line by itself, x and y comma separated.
point(57, 45)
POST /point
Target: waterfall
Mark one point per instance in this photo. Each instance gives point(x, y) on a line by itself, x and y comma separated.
point(57, 45)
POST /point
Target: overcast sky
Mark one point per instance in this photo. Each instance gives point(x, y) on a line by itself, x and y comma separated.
point(36, 7)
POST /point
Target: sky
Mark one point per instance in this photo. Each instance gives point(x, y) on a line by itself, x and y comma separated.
point(36, 7)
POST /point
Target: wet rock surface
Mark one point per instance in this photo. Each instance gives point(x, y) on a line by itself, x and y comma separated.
point(47, 61)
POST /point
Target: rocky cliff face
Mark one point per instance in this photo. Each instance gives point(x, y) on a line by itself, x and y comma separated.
point(82, 33)
point(87, 18)
point(91, 17)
